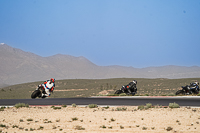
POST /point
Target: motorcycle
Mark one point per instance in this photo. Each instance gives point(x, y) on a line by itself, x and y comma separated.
point(38, 93)
point(125, 90)
point(186, 90)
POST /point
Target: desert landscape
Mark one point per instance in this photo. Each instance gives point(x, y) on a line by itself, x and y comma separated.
point(73, 118)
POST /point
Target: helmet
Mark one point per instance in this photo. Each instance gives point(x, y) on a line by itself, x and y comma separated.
point(196, 82)
point(134, 81)
point(52, 80)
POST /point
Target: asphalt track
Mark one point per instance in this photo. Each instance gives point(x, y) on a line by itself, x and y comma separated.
point(107, 101)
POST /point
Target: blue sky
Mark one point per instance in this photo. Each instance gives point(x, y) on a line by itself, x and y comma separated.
point(137, 33)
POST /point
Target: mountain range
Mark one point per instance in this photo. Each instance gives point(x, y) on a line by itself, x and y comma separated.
point(18, 66)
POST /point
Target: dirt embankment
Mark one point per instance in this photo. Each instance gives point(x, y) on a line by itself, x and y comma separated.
point(93, 120)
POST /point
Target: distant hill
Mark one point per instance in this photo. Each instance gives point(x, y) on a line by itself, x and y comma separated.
point(17, 66)
point(3, 85)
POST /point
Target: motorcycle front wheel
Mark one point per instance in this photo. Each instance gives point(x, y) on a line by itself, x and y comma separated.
point(180, 92)
point(35, 94)
point(118, 92)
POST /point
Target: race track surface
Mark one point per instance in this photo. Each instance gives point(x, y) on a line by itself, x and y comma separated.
point(107, 101)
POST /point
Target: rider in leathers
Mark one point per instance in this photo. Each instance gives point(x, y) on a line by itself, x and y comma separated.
point(48, 86)
point(131, 87)
point(195, 87)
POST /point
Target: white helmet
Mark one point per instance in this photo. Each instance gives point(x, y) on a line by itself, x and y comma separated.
point(196, 82)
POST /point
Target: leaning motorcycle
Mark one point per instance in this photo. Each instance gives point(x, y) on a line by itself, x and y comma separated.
point(125, 90)
point(38, 93)
point(186, 90)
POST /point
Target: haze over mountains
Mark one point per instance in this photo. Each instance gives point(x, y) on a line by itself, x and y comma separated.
point(17, 66)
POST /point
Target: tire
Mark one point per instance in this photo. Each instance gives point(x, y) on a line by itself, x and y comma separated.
point(118, 92)
point(35, 94)
point(133, 93)
point(180, 92)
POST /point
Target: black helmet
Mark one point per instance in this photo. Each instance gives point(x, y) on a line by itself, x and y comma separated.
point(134, 81)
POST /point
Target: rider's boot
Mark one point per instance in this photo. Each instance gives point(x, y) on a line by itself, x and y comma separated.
point(43, 95)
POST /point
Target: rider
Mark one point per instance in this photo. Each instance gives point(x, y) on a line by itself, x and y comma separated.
point(194, 86)
point(131, 87)
point(47, 86)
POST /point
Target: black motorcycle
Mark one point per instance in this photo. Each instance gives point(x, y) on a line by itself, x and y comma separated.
point(125, 90)
point(38, 93)
point(186, 90)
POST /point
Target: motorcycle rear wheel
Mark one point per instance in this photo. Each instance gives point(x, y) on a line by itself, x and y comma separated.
point(35, 94)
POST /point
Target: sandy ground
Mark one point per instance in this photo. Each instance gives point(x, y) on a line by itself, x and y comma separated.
point(96, 120)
